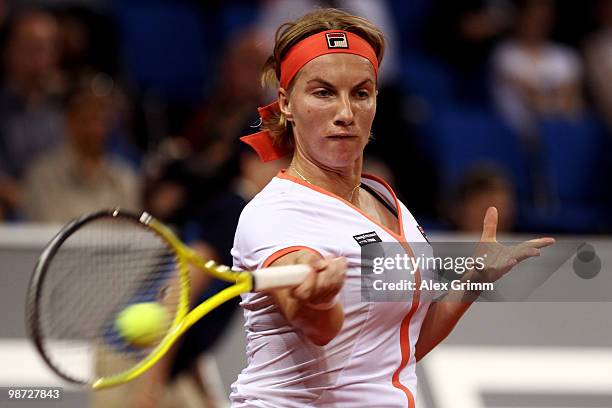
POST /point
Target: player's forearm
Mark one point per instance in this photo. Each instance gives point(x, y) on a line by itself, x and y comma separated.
point(443, 316)
point(311, 308)
point(439, 321)
point(320, 326)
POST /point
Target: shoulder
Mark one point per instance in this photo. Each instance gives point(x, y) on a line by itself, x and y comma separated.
point(279, 217)
point(47, 164)
point(505, 50)
point(379, 185)
point(561, 50)
point(564, 58)
point(120, 167)
point(510, 57)
point(279, 205)
point(386, 192)
point(565, 53)
point(122, 172)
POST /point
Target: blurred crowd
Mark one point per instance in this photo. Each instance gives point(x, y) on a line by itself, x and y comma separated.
point(140, 104)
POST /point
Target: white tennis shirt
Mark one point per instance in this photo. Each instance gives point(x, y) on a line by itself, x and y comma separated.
point(371, 361)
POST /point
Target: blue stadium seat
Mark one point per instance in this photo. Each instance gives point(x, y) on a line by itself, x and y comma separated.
point(574, 154)
point(236, 17)
point(464, 137)
point(409, 17)
point(427, 79)
point(566, 218)
point(163, 47)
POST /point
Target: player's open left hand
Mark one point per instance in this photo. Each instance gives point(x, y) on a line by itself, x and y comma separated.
point(500, 259)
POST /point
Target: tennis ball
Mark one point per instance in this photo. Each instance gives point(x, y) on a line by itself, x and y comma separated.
point(142, 324)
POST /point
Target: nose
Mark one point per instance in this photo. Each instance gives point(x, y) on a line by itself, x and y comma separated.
point(344, 113)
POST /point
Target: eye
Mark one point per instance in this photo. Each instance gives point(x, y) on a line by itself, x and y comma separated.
point(322, 93)
point(362, 94)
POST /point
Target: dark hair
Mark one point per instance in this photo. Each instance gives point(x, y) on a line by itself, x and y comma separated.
point(16, 17)
point(482, 178)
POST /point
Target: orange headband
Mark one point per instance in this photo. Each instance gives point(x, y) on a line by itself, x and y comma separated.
point(326, 42)
point(322, 43)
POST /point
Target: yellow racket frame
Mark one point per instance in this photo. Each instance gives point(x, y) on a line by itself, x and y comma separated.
point(183, 320)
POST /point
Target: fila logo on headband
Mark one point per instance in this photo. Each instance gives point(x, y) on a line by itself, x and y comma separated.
point(336, 40)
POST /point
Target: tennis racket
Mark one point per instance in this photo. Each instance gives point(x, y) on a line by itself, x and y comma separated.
point(100, 264)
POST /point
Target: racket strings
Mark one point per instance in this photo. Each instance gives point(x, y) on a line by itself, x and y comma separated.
point(102, 268)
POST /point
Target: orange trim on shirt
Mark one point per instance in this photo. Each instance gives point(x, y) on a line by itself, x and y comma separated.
point(282, 252)
point(405, 341)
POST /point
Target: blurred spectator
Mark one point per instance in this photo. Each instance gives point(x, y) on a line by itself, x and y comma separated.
point(483, 187)
point(79, 176)
point(533, 76)
point(206, 156)
point(222, 20)
point(462, 34)
point(215, 127)
point(89, 39)
point(74, 36)
point(598, 51)
point(30, 120)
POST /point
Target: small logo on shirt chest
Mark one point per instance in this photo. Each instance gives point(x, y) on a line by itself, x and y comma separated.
point(367, 238)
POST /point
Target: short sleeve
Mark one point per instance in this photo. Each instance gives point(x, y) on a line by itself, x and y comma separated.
point(266, 232)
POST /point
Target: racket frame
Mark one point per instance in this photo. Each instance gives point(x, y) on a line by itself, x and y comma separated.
point(183, 320)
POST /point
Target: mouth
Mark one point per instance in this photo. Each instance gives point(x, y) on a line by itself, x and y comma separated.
point(342, 136)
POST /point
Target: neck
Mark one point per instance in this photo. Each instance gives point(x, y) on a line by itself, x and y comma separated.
point(342, 182)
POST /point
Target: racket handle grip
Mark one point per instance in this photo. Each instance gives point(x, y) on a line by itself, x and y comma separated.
point(276, 277)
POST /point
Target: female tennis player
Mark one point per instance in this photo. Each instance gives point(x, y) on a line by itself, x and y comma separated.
point(319, 344)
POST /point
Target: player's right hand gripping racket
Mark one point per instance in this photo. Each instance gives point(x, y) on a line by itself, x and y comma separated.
point(101, 264)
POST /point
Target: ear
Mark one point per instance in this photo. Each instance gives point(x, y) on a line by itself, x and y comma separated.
point(283, 103)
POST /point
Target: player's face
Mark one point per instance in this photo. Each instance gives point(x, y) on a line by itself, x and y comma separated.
point(331, 107)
